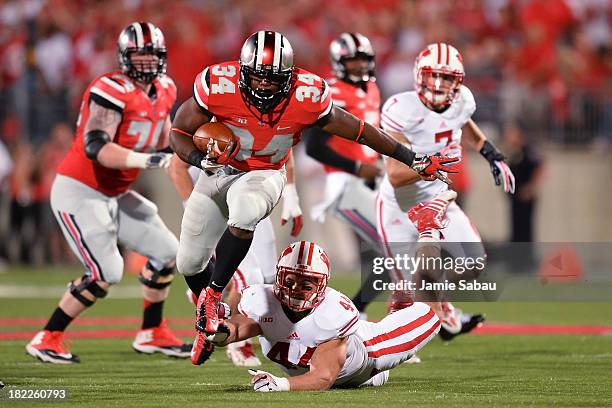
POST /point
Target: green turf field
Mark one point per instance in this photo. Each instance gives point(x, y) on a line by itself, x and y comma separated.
point(478, 370)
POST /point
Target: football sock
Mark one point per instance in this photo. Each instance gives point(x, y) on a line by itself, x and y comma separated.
point(230, 251)
point(200, 280)
point(152, 315)
point(430, 235)
point(58, 321)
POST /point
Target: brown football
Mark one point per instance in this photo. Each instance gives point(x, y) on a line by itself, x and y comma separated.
point(222, 138)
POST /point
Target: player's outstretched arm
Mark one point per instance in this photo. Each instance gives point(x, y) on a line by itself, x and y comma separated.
point(348, 126)
point(99, 132)
point(189, 117)
point(326, 363)
point(237, 328)
point(398, 174)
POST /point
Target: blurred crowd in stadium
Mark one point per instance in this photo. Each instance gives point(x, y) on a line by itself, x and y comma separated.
point(544, 64)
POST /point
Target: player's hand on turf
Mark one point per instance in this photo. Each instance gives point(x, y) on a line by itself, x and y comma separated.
point(500, 170)
point(291, 209)
point(158, 160)
point(434, 167)
point(263, 381)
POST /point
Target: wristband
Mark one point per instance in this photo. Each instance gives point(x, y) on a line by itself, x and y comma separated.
point(403, 154)
point(490, 152)
point(182, 132)
point(137, 160)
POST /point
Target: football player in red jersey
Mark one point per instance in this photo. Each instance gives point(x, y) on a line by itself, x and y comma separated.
point(351, 167)
point(122, 126)
point(267, 102)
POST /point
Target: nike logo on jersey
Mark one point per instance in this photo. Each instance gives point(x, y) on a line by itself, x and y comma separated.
point(283, 127)
point(293, 336)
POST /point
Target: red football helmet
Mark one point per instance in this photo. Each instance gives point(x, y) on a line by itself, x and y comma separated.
point(142, 39)
point(438, 75)
point(302, 274)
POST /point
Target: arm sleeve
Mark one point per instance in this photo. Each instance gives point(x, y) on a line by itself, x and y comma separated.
point(316, 147)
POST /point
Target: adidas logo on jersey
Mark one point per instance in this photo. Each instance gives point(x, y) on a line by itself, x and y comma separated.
point(293, 336)
point(396, 221)
point(442, 125)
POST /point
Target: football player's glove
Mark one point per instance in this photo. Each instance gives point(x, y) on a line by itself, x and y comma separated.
point(291, 209)
point(265, 382)
point(500, 170)
point(431, 167)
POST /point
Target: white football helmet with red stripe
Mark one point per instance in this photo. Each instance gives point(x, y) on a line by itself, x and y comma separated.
point(142, 38)
point(438, 74)
point(302, 274)
point(266, 55)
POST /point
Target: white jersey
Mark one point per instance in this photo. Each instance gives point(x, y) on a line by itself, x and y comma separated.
point(428, 132)
point(291, 345)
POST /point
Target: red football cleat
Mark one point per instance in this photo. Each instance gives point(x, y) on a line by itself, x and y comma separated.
point(50, 347)
point(201, 349)
point(161, 340)
point(207, 311)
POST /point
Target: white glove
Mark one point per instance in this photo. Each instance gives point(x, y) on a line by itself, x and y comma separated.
point(265, 382)
point(507, 178)
point(148, 160)
point(291, 209)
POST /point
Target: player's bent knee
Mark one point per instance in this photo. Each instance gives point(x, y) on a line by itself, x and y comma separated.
point(191, 264)
point(247, 217)
point(156, 278)
point(88, 290)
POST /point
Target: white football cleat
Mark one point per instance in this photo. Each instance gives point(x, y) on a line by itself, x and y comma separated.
point(242, 355)
point(451, 320)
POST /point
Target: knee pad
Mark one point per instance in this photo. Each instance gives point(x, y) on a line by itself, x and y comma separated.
point(161, 278)
point(87, 284)
point(189, 263)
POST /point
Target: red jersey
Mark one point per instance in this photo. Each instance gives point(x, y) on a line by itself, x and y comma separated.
point(262, 146)
point(363, 104)
point(141, 125)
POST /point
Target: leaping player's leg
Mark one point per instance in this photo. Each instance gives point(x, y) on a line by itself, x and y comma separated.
point(90, 229)
point(138, 218)
point(250, 198)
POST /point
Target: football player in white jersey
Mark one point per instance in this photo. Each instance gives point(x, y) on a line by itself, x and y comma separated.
point(313, 332)
point(433, 118)
point(261, 256)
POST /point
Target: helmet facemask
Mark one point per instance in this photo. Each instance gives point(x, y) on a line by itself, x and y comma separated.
point(300, 290)
point(144, 65)
point(265, 100)
point(438, 89)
